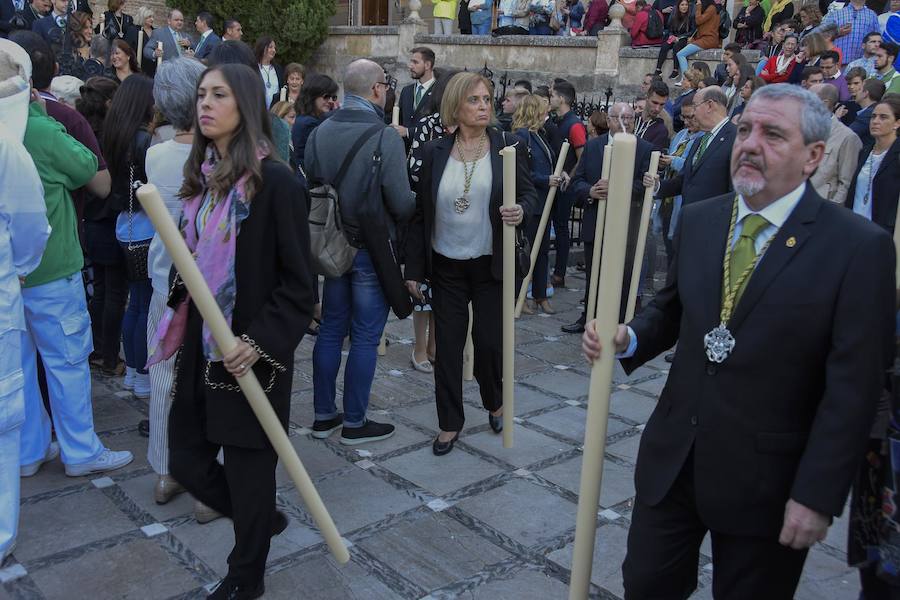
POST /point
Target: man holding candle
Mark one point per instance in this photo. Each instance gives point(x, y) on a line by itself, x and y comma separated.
point(768, 406)
point(174, 42)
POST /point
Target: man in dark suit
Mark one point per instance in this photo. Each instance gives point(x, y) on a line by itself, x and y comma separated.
point(756, 439)
point(21, 14)
point(174, 42)
point(208, 38)
point(588, 189)
point(50, 26)
point(414, 97)
point(705, 171)
point(870, 94)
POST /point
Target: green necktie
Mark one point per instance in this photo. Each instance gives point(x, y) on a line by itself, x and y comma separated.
point(704, 142)
point(420, 89)
point(744, 251)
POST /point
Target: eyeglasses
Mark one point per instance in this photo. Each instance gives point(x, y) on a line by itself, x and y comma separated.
point(384, 83)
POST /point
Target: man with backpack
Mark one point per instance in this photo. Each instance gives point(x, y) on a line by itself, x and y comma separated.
point(340, 156)
point(647, 28)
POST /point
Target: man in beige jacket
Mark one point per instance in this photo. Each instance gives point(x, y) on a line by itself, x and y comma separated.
point(833, 177)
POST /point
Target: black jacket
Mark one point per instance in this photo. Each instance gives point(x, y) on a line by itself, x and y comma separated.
point(710, 176)
point(885, 185)
point(434, 159)
point(788, 414)
point(273, 306)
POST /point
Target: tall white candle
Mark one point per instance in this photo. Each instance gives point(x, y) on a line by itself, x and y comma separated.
point(509, 296)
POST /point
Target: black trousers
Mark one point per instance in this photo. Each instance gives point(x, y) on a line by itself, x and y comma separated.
point(539, 276)
point(243, 489)
point(107, 308)
point(455, 283)
point(664, 547)
point(664, 52)
point(562, 211)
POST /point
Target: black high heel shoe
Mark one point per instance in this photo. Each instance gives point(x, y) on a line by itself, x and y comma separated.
point(441, 448)
point(496, 423)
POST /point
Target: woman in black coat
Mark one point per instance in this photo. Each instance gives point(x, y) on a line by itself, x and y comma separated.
point(873, 191)
point(748, 23)
point(246, 221)
point(455, 241)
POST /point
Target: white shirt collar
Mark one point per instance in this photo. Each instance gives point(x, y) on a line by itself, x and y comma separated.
point(427, 84)
point(777, 212)
point(205, 34)
point(717, 128)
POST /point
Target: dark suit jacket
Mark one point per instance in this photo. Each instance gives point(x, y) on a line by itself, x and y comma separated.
point(711, 176)
point(205, 47)
point(588, 173)
point(435, 155)
point(408, 115)
point(860, 125)
point(43, 26)
point(885, 185)
point(788, 414)
point(273, 306)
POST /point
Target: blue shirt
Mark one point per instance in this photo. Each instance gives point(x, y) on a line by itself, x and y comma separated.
point(863, 22)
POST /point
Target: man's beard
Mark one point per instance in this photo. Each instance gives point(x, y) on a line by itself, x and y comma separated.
point(748, 186)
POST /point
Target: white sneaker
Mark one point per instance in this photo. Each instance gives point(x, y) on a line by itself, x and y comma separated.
point(107, 461)
point(32, 468)
point(128, 383)
point(141, 387)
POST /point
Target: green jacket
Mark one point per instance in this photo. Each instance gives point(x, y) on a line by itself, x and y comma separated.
point(63, 164)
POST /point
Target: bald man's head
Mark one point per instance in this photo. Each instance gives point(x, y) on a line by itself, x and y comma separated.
point(827, 93)
point(360, 78)
point(621, 118)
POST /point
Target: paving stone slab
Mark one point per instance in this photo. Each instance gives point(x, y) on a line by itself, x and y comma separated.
point(441, 474)
point(528, 446)
point(529, 400)
point(568, 422)
point(616, 487)
point(317, 458)
point(67, 522)
point(318, 577)
point(111, 412)
point(425, 414)
point(610, 544)
point(630, 405)
point(503, 508)
point(568, 384)
point(140, 491)
point(403, 437)
point(627, 449)
point(565, 351)
point(524, 585)
point(136, 570)
point(654, 386)
point(357, 498)
point(433, 550)
point(51, 477)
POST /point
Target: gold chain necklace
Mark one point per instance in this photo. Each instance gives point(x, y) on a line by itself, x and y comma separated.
point(719, 342)
point(461, 204)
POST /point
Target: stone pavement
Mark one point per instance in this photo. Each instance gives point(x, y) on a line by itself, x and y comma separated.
point(480, 523)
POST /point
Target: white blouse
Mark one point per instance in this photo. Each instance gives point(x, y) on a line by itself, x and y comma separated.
point(466, 235)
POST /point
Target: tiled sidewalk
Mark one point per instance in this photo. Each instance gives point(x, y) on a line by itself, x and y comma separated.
point(480, 523)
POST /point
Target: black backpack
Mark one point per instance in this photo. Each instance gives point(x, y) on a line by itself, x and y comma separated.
point(724, 23)
point(654, 25)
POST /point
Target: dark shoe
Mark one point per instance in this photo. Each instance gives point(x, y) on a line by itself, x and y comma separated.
point(496, 423)
point(144, 428)
point(576, 327)
point(322, 429)
point(370, 432)
point(116, 371)
point(657, 72)
point(675, 74)
point(669, 357)
point(279, 523)
point(441, 448)
point(230, 589)
point(557, 281)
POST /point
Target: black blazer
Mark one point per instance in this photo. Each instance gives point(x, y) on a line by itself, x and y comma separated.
point(588, 173)
point(203, 48)
point(788, 414)
point(435, 155)
point(273, 306)
point(885, 185)
point(409, 116)
point(711, 176)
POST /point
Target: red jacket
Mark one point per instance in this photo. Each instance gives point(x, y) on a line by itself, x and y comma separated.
point(772, 68)
point(639, 29)
point(597, 14)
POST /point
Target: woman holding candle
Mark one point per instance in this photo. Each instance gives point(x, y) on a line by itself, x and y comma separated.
point(244, 223)
point(139, 35)
point(455, 242)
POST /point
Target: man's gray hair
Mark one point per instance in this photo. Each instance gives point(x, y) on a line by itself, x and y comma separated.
point(815, 118)
point(175, 90)
point(713, 93)
point(360, 76)
point(171, 12)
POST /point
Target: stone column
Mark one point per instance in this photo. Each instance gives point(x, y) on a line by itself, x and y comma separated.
point(407, 30)
point(609, 41)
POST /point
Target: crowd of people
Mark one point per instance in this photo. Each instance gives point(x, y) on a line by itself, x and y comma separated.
point(242, 149)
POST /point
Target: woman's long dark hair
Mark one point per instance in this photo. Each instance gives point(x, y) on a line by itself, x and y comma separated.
point(131, 109)
point(678, 21)
point(93, 104)
point(315, 86)
point(704, 4)
point(253, 133)
point(262, 44)
point(128, 51)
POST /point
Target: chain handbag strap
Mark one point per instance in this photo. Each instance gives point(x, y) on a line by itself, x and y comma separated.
point(130, 206)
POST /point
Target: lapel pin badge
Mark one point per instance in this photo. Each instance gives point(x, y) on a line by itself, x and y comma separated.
point(791, 242)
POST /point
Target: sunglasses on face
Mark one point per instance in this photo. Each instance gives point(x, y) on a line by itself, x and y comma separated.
point(331, 97)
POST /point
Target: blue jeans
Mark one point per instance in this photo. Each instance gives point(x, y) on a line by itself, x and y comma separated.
point(683, 54)
point(482, 28)
point(503, 21)
point(354, 304)
point(134, 325)
point(60, 329)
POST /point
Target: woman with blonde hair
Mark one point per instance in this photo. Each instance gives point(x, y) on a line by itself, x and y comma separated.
point(138, 36)
point(528, 126)
point(455, 241)
point(284, 110)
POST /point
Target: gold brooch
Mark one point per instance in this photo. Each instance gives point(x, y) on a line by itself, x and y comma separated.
point(791, 242)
